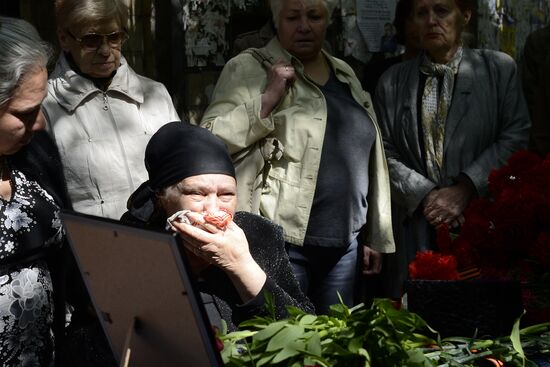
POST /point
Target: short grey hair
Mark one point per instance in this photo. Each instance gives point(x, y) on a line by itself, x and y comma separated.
point(170, 193)
point(276, 6)
point(21, 50)
point(164, 196)
point(81, 13)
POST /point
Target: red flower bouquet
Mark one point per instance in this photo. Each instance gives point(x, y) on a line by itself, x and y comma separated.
point(505, 236)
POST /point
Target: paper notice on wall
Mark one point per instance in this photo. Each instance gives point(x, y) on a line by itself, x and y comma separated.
point(371, 17)
point(505, 24)
point(354, 45)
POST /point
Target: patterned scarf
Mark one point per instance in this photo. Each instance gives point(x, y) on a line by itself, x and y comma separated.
point(436, 102)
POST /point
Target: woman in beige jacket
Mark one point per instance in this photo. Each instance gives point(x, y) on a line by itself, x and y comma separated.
point(308, 151)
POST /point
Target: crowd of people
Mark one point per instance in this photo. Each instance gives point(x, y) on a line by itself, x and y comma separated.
point(325, 183)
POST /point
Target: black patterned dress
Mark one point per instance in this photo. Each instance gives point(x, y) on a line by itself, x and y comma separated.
point(29, 225)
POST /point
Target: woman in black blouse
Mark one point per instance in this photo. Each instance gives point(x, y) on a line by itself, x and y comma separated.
point(236, 264)
point(31, 194)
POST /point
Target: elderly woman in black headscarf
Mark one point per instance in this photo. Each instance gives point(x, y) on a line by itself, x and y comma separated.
point(191, 180)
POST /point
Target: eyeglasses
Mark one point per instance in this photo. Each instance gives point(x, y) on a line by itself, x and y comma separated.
point(93, 41)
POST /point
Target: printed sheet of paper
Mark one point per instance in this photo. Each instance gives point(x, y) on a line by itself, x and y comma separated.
point(371, 17)
point(354, 44)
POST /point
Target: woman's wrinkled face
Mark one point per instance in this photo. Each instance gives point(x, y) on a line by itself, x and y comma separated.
point(22, 115)
point(439, 23)
point(302, 26)
point(100, 62)
point(204, 193)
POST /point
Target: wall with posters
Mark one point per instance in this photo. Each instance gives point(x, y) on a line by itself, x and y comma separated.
point(359, 29)
point(501, 24)
point(185, 43)
point(504, 24)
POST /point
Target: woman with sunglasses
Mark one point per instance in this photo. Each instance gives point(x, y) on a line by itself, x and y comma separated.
point(100, 112)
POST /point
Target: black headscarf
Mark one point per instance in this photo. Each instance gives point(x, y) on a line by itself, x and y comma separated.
point(180, 150)
point(176, 151)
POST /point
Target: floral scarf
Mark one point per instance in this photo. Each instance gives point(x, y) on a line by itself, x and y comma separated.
point(436, 102)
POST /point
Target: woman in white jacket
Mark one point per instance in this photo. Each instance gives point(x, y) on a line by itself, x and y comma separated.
point(99, 111)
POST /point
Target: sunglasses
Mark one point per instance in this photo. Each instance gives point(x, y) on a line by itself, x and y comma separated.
point(93, 41)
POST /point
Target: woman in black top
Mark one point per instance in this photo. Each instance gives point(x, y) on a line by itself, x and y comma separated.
point(31, 194)
point(237, 265)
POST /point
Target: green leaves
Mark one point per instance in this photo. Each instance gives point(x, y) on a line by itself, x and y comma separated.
point(343, 338)
point(516, 341)
point(380, 336)
point(270, 330)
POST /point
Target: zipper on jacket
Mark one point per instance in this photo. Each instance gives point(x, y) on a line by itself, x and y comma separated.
point(105, 103)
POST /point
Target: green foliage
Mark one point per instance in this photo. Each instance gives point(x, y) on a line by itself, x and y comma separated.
point(379, 336)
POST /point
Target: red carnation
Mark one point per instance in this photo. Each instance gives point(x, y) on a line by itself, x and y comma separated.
point(433, 266)
point(466, 256)
point(523, 160)
point(505, 236)
point(219, 342)
point(518, 171)
point(443, 240)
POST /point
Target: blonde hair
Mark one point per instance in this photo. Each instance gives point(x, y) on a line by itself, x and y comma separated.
point(81, 13)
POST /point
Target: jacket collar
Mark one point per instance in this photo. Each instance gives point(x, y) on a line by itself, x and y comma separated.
point(70, 89)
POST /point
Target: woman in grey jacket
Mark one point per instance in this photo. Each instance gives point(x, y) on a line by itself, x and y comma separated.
point(448, 118)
